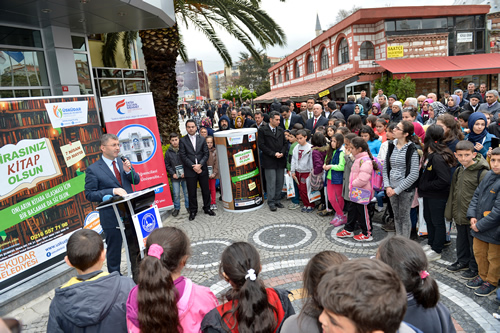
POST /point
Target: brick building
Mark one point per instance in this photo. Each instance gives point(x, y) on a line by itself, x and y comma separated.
point(441, 48)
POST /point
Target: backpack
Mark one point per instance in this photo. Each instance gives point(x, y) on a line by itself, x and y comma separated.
point(409, 153)
point(377, 176)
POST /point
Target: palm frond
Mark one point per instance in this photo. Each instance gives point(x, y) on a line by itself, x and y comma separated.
point(182, 49)
point(128, 39)
point(109, 48)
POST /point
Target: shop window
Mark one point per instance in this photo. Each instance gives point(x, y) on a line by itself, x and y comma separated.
point(297, 70)
point(20, 37)
point(367, 51)
point(324, 59)
point(274, 79)
point(310, 65)
point(343, 52)
point(464, 22)
point(22, 68)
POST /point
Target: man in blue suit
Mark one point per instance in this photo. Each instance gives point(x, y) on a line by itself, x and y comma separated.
point(111, 176)
point(288, 120)
point(317, 120)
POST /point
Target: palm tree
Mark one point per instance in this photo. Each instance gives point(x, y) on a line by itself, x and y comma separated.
point(242, 19)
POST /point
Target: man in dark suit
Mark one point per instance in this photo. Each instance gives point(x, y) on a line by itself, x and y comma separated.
point(348, 108)
point(273, 145)
point(317, 119)
point(110, 176)
point(308, 112)
point(193, 151)
point(288, 119)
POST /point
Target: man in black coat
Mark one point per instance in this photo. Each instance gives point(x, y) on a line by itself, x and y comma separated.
point(288, 119)
point(273, 145)
point(317, 119)
point(348, 108)
point(193, 151)
point(275, 106)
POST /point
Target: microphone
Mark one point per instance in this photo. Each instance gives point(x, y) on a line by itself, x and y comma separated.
point(123, 158)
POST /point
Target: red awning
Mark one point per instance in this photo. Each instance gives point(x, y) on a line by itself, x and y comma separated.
point(434, 67)
point(302, 90)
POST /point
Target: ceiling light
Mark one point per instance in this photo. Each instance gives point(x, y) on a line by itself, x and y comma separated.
point(46, 10)
point(121, 14)
point(81, 20)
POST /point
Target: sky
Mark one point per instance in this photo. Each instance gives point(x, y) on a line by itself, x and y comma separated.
point(296, 17)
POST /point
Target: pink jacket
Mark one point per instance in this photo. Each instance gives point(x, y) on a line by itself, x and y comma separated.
point(195, 302)
point(361, 172)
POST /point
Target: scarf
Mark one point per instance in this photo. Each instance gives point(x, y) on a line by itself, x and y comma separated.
point(438, 108)
point(430, 101)
point(361, 110)
point(473, 137)
point(378, 108)
point(456, 105)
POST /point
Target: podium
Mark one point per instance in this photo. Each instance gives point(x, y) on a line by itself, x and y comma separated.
point(139, 204)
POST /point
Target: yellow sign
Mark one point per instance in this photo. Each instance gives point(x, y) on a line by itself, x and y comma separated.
point(324, 93)
point(73, 153)
point(395, 51)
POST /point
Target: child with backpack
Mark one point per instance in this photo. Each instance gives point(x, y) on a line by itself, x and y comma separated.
point(334, 166)
point(465, 180)
point(251, 307)
point(360, 191)
point(163, 299)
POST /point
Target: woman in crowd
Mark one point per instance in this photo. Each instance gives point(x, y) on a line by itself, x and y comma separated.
point(401, 175)
point(354, 123)
point(452, 105)
point(435, 110)
point(376, 111)
point(434, 187)
point(479, 135)
point(452, 130)
point(359, 110)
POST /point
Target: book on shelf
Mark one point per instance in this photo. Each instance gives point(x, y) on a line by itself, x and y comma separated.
point(179, 170)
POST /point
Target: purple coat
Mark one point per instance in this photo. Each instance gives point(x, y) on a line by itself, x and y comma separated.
point(318, 157)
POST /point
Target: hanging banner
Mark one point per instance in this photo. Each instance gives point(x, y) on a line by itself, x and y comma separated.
point(133, 119)
point(42, 179)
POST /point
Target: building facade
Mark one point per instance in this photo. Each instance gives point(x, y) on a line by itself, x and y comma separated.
point(349, 56)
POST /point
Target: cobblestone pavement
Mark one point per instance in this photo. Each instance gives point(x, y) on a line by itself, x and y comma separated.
point(286, 240)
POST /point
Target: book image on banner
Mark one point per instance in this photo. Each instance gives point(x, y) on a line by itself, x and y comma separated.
point(41, 198)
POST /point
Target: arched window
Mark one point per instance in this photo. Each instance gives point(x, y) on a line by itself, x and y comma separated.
point(280, 80)
point(297, 70)
point(287, 76)
point(274, 79)
point(324, 59)
point(310, 65)
point(343, 52)
point(367, 51)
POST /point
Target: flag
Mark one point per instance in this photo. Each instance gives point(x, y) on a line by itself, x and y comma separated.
point(17, 56)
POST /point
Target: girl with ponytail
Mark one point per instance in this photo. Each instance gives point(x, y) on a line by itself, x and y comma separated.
point(251, 307)
point(409, 261)
point(164, 300)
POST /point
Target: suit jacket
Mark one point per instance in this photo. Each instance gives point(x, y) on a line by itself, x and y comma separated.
point(322, 121)
point(254, 125)
point(271, 144)
point(100, 181)
point(294, 120)
point(303, 114)
point(189, 155)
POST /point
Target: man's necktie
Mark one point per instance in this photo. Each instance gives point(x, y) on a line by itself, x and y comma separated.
point(117, 173)
point(315, 121)
point(274, 131)
point(286, 123)
point(309, 115)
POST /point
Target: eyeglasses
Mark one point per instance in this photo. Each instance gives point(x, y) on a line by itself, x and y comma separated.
point(114, 146)
point(397, 128)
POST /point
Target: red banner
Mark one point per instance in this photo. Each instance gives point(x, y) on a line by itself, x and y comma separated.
point(133, 119)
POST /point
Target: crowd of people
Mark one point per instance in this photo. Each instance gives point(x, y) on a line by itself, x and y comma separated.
point(392, 293)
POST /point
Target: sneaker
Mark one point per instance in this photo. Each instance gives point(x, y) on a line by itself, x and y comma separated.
point(309, 209)
point(340, 221)
point(475, 283)
point(468, 274)
point(426, 247)
point(293, 206)
point(213, 207)
point(335, 220)
point(379, 209)
point(486, 289)
point(344, 234)
point(433, 256)
point(344, 219)
point(447, 243)
point(456, 267)
point(363, 238)
point(303, 210)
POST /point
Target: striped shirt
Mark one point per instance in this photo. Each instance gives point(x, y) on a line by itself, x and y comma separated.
point(397, 179)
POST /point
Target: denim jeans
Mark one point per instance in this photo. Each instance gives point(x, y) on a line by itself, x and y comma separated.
point(176, 186)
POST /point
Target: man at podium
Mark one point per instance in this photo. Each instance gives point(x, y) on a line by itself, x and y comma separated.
point(112, 176)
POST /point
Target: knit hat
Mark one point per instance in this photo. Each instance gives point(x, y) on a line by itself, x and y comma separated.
point(394, 96)
point(474, 95)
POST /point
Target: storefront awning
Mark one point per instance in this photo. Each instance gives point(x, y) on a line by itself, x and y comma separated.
point(435, 67)
point(302, 91)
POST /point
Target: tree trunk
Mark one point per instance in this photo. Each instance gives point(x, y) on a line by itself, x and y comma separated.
point(161, 48)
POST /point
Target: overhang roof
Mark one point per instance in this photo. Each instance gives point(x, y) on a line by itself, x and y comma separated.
point(434, 67)
point(301, 91)
point(89, 16)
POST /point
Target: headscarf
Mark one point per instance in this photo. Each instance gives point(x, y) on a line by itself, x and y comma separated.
point(361, 109)
point(419, 130)
point(473, 137)
point(236, 122)
point(439, 109)
point(430, 101)
point(378, 108)
point(456, 100)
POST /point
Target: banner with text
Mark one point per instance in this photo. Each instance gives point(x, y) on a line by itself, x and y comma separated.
point(46, 144)
point(133, 119)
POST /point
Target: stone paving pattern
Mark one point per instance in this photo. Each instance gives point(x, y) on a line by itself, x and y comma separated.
point(286, 240)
